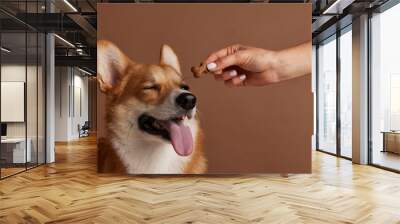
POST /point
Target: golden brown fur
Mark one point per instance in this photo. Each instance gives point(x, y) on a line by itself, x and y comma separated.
point(122, 80)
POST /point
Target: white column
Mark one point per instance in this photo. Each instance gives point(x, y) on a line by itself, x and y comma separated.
point(50, 98)
point(360, 90)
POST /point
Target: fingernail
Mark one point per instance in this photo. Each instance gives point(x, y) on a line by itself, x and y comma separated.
point(232, 73)
point(242, 77)
point(211, 66)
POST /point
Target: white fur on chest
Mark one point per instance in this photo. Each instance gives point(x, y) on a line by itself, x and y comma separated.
point(145, 158)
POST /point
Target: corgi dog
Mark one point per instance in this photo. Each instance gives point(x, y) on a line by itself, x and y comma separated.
point(151, 121)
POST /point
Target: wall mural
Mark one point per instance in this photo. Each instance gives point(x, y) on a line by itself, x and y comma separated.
point(160, 111)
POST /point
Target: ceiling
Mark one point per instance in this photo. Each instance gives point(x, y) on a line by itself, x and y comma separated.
point(76, 22)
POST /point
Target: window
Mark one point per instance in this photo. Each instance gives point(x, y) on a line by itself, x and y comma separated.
point(333, 137)
point(22, 78)
point(346, 92)
point(327, 95)
point(385, 89)
point(394, 102)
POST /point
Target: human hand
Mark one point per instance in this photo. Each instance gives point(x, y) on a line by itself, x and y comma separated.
point(239, 65)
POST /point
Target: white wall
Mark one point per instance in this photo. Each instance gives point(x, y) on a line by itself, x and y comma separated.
point(62, 80)
point(12, 73)
point(79, 117)
point(70, 83)
point(33, 127)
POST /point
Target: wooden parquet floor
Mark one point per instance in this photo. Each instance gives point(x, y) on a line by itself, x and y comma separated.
point(70, 191)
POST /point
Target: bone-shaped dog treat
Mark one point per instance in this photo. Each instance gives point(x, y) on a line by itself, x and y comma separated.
point(200, 70)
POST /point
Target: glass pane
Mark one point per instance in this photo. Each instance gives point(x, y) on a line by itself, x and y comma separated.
point(23, 90)
point(41, 98)
point(346, 94)
point(314, 78)
point(327, 96)
point(32, 98)
point(386, 89)
point(13, 88)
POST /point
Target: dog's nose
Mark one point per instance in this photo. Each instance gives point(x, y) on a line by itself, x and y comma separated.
point(186, 100)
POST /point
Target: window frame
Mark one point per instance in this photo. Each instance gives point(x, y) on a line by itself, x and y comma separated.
point(336, 35)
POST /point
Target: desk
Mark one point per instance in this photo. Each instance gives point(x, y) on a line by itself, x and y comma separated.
point(13, 150)
point(391, 141)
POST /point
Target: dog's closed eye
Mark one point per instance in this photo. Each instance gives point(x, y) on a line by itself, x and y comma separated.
point(152, 87)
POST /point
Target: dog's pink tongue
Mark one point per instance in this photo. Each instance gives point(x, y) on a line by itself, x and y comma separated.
point(181, 138)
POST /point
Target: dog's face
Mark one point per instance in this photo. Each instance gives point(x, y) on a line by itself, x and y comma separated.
point(151, 102)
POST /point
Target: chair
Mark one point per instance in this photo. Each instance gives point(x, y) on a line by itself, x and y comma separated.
point(84, 130)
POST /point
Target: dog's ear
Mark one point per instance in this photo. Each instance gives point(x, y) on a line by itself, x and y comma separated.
point(111, 65)
point(168, 57)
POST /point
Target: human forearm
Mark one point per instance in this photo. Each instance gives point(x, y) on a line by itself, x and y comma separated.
point(294, 62)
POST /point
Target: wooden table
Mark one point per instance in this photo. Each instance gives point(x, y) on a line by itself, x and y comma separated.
point(391, 141)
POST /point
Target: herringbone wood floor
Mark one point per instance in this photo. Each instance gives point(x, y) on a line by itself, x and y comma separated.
point(70, 191)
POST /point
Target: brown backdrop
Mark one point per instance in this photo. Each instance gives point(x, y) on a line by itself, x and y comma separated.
point(247, 130)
